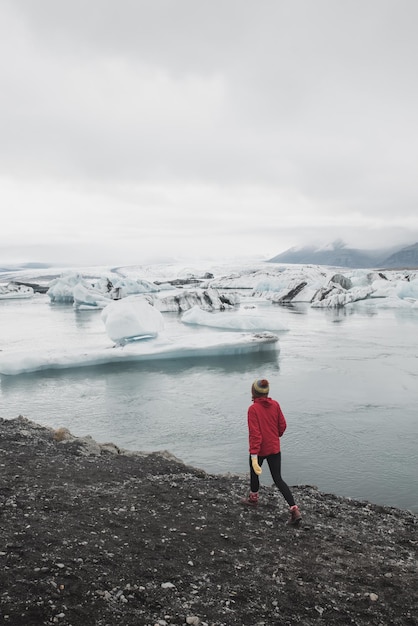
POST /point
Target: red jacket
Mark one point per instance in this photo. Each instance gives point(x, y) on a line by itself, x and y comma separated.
point(266, 424)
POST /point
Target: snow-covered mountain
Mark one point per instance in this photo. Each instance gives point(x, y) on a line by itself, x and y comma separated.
point(407, 257)
point(338, 254)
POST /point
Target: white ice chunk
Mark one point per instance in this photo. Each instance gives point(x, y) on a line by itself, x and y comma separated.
point(61, 289)
point(123, 287)
point(232, 320)
point(89, 298)
point(180, 300)
point(69, 287)
point(199, 345)
point(131, 318)
point(14, 291)
point(408, 290)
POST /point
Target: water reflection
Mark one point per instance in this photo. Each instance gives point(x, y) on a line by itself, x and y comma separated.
point(84, 319)
point(298, 308)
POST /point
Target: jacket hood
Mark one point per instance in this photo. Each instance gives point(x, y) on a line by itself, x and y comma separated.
point(264, 401)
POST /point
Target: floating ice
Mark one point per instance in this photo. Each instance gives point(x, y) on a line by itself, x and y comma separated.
point(322, 287)
point(131, 319)
point(61, 290)
point(162, 347)
point(243, 319)
point(88, 298)
point(180, 300)
point(318, 286)
point(15, 291)
point(85, 292)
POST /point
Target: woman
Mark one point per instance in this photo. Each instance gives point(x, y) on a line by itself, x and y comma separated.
point(266, 424)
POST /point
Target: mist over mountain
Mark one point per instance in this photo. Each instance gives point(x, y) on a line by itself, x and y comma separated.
point(24, 266)
point(334, 254)
point(406, 257)
point(338, 254)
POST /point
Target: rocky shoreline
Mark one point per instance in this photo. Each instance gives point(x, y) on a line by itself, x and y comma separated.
point(93, 535)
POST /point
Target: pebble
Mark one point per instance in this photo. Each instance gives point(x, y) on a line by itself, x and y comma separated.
point(167, 586)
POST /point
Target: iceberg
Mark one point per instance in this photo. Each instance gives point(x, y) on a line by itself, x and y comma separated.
point(181, 300)
point(15, 291)
point(322, 286)
point(88, 298)
point(225, 301)
point(243, 319)
point(73, 287)
point(131, 319)
point(83, 293)
point(161, 347)
point(171, 288)
point(318, 286)
point(269, 279)
point(61, 290)
point(386, 290)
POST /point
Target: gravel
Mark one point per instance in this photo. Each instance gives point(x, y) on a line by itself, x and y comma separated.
point(91, 535)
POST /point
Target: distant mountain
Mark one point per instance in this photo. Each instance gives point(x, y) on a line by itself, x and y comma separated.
point(338, 255)
point(406, 258)
point(25, 266)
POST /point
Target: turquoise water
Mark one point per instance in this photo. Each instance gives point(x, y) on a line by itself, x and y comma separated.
point(346, 381)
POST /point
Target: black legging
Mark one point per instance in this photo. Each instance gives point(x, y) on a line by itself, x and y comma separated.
point(274, 463)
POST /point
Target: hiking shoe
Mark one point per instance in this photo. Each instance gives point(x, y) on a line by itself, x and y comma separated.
point(295, 515)
point(252, 499)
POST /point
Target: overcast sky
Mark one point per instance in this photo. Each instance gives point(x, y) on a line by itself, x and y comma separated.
point(133, 130)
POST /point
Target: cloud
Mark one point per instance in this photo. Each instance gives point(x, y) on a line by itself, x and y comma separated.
point(203, 116)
